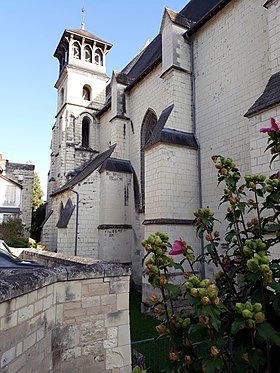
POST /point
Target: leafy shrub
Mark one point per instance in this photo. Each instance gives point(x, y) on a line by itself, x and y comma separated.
point(12, 232)
point(234, 323)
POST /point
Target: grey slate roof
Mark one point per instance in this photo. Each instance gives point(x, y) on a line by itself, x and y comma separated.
point(87, 170)
point(193, 15)
point(116, 165)
point(270, 96)
point(149, 58)
point(87, 34)
point(156, 134)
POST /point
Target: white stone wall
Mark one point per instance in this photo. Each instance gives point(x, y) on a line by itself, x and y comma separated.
point(79, 326)
point(170, 182)
point(231, 71)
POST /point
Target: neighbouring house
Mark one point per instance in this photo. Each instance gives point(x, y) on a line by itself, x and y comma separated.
point(131, 155)
point(16, 192)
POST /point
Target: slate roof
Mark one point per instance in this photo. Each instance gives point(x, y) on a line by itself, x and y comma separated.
point(116, 165)
point(175, 137)
point(192, 16)
point(10, 181)
point(86, 171)
point(270, 96)
point(149, 58)
point(156, 134)
point(80, 32)
point(87, 34)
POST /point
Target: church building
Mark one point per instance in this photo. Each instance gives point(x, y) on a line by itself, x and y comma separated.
point(131, 154)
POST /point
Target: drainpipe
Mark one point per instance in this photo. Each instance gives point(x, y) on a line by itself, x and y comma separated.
point(77, 221)
point(202, 269)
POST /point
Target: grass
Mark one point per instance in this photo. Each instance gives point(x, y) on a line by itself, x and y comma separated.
point(142, 326)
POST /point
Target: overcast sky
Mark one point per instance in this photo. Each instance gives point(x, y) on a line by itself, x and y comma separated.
point(31, 30)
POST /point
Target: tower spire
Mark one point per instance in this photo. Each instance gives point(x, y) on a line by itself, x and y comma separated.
point(83, 17)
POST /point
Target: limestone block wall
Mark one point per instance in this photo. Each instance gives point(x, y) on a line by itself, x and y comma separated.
point(170, 182)
point(231, 70)
point(258, 142)
point(116, 197)
point(72, 316)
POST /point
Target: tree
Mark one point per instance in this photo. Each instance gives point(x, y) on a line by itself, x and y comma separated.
point(37, 192)
point(39, 209)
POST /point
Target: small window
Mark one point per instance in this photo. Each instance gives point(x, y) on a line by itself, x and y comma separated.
point(98, 57)
point(10, 196)
point(62, 96)
point(86, 93)
point(76, 50)
point(85, 132)
point(88, 54)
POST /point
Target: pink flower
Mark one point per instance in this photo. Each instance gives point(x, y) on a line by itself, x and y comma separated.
point(274, 127)
point(277, 176)
point(177, 247)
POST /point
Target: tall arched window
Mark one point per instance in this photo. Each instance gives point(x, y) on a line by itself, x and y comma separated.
point(76, 50)
point(86, 92)
point(88, 54)
point(62, 96)
point(98, 57)
point(148, 125)
point(85, 132)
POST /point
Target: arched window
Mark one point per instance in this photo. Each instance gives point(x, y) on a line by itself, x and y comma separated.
point(86, 92)
point(85, 132)
point(98, 57)
point(62, 96)
point(148, 125)
point(76, 50)
point(88, 54)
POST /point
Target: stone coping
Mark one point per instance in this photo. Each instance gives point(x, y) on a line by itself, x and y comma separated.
point(58, 268)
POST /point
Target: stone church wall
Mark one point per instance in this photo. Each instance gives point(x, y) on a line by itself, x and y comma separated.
point(231, 71)
point(72, 315)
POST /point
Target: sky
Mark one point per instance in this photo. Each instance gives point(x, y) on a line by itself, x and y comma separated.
point(31, 30)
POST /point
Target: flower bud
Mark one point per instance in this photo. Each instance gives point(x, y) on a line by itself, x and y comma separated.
point(259, 317)
point(173, 356)
point(154, 298)
point(247, 314)
point(187, 360)
point(214, 351)
point(194, 292)
point(205, 300)
point(161, 329)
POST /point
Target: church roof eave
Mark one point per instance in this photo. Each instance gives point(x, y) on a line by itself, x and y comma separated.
point(90, 167)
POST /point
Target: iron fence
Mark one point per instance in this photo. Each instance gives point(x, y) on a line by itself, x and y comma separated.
point(150, 354)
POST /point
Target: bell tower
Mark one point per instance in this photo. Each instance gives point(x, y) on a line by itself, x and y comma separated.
point(80, 88)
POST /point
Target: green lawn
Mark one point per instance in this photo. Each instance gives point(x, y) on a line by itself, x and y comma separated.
point(142, 326)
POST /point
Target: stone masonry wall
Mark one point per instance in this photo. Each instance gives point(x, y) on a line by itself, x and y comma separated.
point(71, 317)
point(231, 70)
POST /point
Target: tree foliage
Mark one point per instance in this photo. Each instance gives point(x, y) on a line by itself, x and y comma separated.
point(37, 192)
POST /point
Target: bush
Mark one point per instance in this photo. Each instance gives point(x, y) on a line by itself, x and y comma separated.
point(12, 232)
point(234, 324)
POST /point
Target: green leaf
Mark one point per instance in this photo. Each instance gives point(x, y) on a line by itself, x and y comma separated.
point(235, 327)
point(275, 285)
point(268, 333)
point(174, 290)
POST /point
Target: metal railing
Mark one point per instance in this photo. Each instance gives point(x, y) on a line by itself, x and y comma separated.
point(150, 354)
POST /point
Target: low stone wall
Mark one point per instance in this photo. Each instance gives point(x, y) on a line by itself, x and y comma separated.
point(71, 316)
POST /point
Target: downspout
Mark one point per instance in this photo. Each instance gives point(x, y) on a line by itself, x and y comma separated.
point(202, 269)
point(77, 222)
